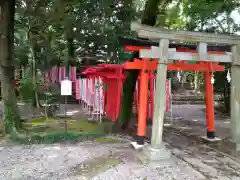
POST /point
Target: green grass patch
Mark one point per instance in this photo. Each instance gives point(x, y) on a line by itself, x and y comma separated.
point(1, 130)
point(41, 130)
point(51, 130)
point(53, 137)
point(58, 124)
point(107, 140)
point(38, 120)
point(83, 125)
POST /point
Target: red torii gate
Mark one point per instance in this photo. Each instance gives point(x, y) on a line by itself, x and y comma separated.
point(112, 75)
point(145, 66)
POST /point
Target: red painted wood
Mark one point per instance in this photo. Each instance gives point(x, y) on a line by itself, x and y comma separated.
point(181, 65)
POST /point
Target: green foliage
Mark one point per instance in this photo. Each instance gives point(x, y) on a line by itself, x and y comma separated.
point(124, 56)
point(26, 86)
point(48, 32)
point(11, 118)
point(171, 15)
point(50, 138)
point(52, 98)
point(26, 89)
point(53, 32)
point(41, 130)
point(52, 102)
point(205, 15)
point(215, 17)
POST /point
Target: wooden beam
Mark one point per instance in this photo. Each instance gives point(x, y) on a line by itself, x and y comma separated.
point(124, 41)
point(169, 49)
point(185, 36)
point(185, 56)
point(177, 66)
point(138, 48)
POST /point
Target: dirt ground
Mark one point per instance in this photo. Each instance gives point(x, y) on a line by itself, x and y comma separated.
point(191, 158)
point(88, 160)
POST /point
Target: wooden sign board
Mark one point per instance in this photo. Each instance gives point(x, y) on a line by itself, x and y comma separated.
point(66, 88)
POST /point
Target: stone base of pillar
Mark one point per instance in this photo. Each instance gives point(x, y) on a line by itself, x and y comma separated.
point(137, 146)
point(213, 140)
point(232, 144)
point(237, 147)
point(157, 154)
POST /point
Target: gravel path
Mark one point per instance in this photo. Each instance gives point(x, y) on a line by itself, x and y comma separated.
point(66, 162)
point(196, 113)
point(210, 162)
point(91, 160)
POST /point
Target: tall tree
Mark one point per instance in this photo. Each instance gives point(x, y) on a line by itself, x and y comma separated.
point(214, 17)
point(149, 18)
point(11, 114)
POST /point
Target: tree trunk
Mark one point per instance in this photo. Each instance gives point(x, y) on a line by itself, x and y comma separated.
point(22, 72)
point(70, 47)
point(125, 16)
point(69, 36)
point(34, 74)
point(33, 50)
point(11, 116)
point(149, 18)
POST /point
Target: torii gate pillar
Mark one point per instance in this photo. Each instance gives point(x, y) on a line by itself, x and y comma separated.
point(235, 97)
point(157, 150)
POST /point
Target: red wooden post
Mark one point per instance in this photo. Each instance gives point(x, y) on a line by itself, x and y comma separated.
point(145, 66)
point(143, 102)
point(209, 98)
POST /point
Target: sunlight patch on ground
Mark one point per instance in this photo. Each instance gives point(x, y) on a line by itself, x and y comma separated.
point(167, 124)
point(70, 113)
point(184, 127)
point(21, 104)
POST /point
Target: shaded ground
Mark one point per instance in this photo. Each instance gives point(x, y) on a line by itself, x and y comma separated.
point(213, 160)
point(104, 159)
point(208, 160)
point(184, 137)
point(196, 113)
point(192, 118)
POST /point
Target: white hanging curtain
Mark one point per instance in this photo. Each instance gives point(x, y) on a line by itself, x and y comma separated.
point(101, 96)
